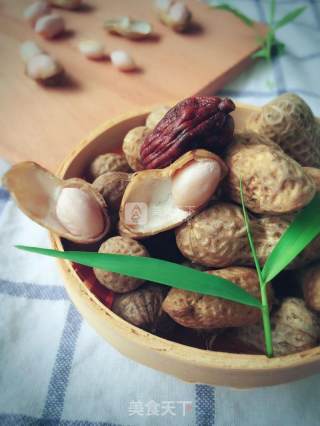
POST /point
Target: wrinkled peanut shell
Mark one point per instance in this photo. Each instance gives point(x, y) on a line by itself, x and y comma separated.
point(195, 310)
point(272, 182)
point(117, 282)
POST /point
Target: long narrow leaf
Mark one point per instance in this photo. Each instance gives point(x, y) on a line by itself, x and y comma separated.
point(264, 296)
point(272, 11)
point(262, 53)
point(291, 16)
point(304, 228)
point(156, 270)
point(249, 234)
point(245, 19)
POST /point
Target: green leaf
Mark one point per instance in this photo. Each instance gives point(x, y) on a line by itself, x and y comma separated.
point(264, 296)
point(260, 54)
point(156, 270)
point(250, 238)
point(300, 233)
point(270, 39)
point(272, 11)
point(291, 16)
point(245, 19)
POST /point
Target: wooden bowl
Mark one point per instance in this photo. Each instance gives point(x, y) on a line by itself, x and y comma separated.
point(185, 362)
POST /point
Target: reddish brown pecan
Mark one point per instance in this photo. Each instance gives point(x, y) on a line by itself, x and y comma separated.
point(196, 122)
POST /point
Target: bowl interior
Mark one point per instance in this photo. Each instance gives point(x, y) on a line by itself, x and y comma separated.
point(108, 138)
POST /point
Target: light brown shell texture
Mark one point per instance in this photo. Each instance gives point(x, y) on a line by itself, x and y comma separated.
point(117, 282)
point(36, 192)
point(273, 183)
point(294, 329)
point(111, 186)
point(314, 173)
point(156, 116)
point(109, 162)
point(217, 237)
point(131, 146)
point(200, 311)
point(310, 278)
point(129, 28)
point(288, 121)
point(141, 307)
point(150, 192)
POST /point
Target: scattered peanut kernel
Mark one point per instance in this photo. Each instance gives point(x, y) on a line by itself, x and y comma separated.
point(179, 14)
point(163, 5)
point(43, 68)
point(28, 50)
point(50, 26)
point(174, 14)
point(92, 49)
point(37, 9)
point(122, 60)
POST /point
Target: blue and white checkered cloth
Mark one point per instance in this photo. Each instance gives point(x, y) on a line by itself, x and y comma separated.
point(55, 370)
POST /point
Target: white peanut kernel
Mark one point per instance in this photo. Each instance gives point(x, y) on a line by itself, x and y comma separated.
point(163, 5)
point(37, 9)
point(79, 213)
point(50, 26)
point(179, 13)
point(92, 49)
point(28, 50)
point(42, 67)
point(122, 60)
point(195, 183)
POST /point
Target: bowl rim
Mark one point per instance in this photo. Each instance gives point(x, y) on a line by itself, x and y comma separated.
point(179, 352)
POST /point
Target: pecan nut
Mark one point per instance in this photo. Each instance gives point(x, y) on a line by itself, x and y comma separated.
point(196, 122)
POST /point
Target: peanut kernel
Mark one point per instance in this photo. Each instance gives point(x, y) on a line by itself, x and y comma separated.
point(79, 213)
point(195, 183)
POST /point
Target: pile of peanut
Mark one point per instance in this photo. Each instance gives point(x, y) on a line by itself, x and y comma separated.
point(45, 69)
point(278, 159)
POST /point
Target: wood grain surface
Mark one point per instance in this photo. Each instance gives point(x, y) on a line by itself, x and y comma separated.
point(44, 124)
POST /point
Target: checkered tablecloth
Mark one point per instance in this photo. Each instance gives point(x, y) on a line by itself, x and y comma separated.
point(54, 369)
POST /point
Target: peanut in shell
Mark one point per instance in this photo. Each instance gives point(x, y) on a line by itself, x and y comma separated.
point(109, 162)
point(141, 307)
point(156, 116)
point(111, 186)
point(132, 144)
point(314, 173)
point(198, 311)
point(272, 182)
point(288, 121)
point(294, 329)
point(217, 238)
point(117, 282)
point(310, 279)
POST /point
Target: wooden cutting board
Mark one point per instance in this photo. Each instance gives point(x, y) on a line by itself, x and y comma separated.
point(45, 124)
